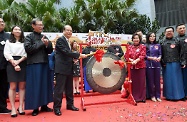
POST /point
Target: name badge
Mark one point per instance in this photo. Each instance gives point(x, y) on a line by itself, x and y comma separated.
point(117, 49)
point(185, 40)
point(172, 46)
point(156, 47)
point(137, 50)
point(3, 42)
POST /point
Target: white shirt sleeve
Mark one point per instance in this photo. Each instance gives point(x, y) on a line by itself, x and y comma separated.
point(7, 52)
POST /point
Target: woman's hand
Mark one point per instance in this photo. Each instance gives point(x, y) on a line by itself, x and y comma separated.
point(17, 68)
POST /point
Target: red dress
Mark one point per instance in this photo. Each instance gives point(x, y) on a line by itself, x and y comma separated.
point(137, 71)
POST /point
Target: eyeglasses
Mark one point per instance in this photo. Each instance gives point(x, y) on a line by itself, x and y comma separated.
point(39, 25)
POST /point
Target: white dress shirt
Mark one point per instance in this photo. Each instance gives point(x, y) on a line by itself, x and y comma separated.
point(14, 49)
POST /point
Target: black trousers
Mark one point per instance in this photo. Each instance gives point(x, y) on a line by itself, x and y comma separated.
point(3, 89)
point(63, 83)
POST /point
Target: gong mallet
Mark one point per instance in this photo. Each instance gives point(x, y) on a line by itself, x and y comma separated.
point(98, 55)
point(121, 63)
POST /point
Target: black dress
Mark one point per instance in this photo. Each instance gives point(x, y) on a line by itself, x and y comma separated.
point(16, 76)
point(76, 68)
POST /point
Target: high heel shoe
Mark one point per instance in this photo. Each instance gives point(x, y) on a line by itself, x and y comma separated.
point(78, 93)
point(14, 115)
point(20, 113)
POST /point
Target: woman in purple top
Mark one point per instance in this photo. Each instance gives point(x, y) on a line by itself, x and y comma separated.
point(153, 56)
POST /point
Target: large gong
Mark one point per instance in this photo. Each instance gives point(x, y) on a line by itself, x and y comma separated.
point(105, 76)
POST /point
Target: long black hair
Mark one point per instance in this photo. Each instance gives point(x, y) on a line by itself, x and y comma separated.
point(13, 39)
point(147, 38)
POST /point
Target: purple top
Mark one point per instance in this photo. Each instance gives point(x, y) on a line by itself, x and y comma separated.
point(153, 50)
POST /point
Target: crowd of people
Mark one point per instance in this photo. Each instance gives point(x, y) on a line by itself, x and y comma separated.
point(151, 57)
point(25, 62)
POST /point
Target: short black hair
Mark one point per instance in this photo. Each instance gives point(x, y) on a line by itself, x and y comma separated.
point(179, 25)
point(135, 34)
point(169, 28)
point(34, 21)
point(138, 31)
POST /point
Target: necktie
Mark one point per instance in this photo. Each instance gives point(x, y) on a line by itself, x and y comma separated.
point(69, 44)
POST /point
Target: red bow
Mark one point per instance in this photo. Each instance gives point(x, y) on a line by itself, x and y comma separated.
point(98, 55)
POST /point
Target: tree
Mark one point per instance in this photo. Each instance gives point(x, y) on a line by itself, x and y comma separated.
point(104, 15)
point(143, 23)
point(22, 14)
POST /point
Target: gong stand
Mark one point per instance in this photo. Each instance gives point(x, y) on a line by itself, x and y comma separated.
point(130, 98)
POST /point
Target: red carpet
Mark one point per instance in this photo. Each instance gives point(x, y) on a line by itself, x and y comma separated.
point(164, 111)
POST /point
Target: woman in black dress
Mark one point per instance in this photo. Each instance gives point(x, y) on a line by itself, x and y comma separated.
point(15, 54)
point(76, 69)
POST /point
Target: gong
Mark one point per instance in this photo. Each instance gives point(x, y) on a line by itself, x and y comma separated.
point(105, 76)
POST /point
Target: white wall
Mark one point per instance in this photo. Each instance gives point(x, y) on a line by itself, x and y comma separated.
point(146, 7)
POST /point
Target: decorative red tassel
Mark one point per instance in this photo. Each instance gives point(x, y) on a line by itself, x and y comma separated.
point(120, 62)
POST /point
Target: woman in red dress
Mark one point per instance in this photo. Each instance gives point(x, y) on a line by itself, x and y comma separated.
point(136, 55)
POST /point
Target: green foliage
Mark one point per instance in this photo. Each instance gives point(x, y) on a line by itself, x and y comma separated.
point(142, 23)
point(110, 16)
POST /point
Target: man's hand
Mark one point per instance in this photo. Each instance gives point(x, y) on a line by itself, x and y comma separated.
point(117, 54)
point(183, 66)
point(82, 56)
point(45, 41)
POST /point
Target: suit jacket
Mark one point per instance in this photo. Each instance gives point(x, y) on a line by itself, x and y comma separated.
point(64, 57)
point(115, 49)
point(3, 37)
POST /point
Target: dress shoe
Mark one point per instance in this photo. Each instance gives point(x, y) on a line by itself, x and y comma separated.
point(14, 115)
point(183, 99)
point(87, 91)
point(144, 101)
point(35, 112)
point(73, 108)
point(5, 111)
point(158, 99)
point(153, 99)
point(20, 113)
point(58, 112)
point(46, 109)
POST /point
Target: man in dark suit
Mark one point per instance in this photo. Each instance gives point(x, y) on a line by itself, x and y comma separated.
point(3, 74)
point(64, 71)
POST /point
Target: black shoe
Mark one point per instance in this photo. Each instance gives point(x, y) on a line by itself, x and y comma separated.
point(183, 99)
point(14, 115)
point(58, 112)
point(35, 112)
point(75, 93)
point(144, 101)
point(46, 109)
point(4, 111)
point(73, 108)
point(21, 113)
